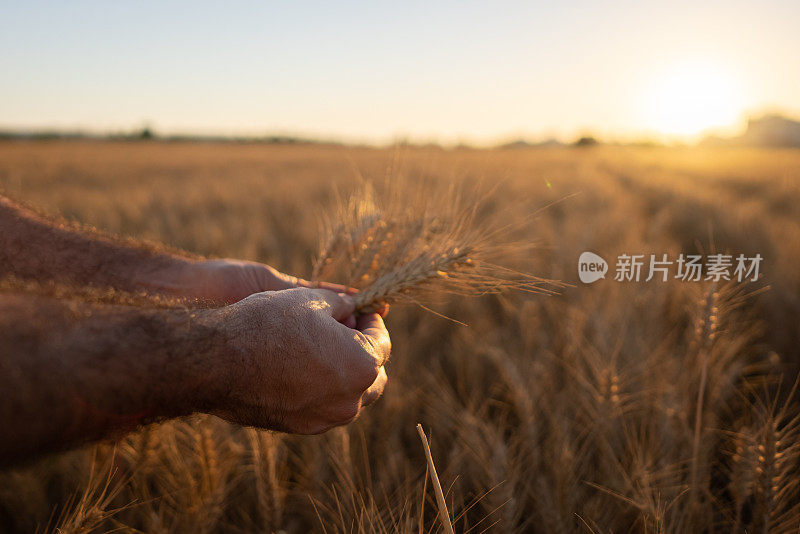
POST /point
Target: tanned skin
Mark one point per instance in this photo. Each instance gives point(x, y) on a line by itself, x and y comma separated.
point(271, 354)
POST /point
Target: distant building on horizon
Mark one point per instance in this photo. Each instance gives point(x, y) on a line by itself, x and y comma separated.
point(768, 131)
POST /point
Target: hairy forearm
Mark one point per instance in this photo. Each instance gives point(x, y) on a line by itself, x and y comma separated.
point(33, 247)
point(72, 372)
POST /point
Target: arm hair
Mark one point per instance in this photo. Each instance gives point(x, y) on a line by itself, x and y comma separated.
point(33, 247)
point(73, 372)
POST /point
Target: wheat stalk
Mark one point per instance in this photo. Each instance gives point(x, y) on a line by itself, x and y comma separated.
point(417, 244)
point(444, 514)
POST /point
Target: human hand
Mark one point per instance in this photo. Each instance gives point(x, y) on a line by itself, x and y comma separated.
point(289, 363)
point(225, 281)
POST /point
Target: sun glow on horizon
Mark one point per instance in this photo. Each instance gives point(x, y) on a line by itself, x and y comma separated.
point(692, 99)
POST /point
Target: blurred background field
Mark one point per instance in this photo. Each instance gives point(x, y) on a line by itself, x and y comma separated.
point(613, 407)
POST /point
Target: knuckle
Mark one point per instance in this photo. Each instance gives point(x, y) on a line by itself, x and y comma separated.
point(378, 349)
point(364, 375)
point(386, 344)
point(346, 412)
point(362, 367)
point(365, 342)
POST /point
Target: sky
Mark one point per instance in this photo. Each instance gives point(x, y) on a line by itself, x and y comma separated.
point(477, 72)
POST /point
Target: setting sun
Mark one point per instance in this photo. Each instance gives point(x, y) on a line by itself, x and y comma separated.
point(689, 100)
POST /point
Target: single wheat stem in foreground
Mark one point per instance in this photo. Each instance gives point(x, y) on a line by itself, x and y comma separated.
point(418, 244)
point(444, 515)
point(706, 332)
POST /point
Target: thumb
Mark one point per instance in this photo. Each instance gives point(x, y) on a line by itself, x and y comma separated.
point(340, 305)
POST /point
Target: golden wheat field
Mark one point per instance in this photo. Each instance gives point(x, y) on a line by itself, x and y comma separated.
point(611, 407)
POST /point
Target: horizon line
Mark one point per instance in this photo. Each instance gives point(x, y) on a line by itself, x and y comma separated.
point(146, 131)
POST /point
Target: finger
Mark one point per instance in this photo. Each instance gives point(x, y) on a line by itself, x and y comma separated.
point(277, 282)
point(340, 305)
point(350, 322)
point(371, 325)
point(374, 392)
point(266, 278)
point(330, 286)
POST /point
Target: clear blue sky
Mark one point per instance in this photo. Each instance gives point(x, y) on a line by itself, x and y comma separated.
point(377, 70)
